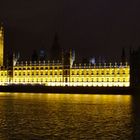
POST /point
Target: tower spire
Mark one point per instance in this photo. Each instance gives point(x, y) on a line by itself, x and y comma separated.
point(1, 44)
point(123, 57)
point(56, 49)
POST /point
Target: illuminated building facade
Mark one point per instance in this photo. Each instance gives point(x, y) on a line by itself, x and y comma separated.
point(64, 72)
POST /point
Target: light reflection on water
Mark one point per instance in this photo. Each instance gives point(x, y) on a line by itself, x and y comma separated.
point(68, 116)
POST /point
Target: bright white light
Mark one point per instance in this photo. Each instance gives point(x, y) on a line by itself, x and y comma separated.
point(92, 60)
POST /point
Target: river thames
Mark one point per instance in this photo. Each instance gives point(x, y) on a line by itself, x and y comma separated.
point(30, 116)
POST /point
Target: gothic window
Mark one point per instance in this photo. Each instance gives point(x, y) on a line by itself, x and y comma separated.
point(72, 79)
point(41, 80)
point(107, 79)
point(102, 72)
point(102, 79)
point(66, 79)
point(113, 72)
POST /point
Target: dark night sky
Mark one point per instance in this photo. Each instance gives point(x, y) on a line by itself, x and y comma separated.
point(91, 27)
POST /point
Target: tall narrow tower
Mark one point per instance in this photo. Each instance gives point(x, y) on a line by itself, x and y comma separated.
point(1, 45)
point(123, 57)
point(56, 49)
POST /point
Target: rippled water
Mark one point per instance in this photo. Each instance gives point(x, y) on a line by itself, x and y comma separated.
point(25, 116)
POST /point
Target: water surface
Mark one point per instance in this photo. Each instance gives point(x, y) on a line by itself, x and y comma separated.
point(32, 116)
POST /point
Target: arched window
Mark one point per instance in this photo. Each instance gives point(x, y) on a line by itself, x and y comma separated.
point(107, 79)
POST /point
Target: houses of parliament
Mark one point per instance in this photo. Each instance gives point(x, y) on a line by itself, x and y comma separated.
point(64, 72)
